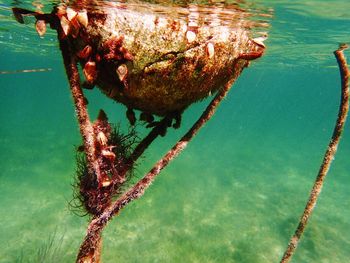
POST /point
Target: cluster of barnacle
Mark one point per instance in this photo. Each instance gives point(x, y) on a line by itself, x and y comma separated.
point(111, 51)
point(94, 59)
point(94, 192)
point(71, 21)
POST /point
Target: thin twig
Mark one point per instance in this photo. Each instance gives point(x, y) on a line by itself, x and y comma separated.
point(86, 128)
point(328, 157)
point(85, 125)
point(97, 224)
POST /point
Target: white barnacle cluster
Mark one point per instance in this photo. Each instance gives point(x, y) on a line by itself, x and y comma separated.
point(71, 20)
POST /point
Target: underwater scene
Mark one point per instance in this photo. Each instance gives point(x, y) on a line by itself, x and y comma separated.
point(235, 194)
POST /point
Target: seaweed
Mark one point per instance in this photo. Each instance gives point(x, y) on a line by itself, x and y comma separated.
point(51, 250)
point(88, 198)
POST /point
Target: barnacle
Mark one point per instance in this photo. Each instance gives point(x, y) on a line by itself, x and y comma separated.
point(40, 27)
point(90, 71)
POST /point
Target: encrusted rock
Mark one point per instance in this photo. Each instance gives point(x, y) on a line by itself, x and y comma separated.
point(158, 61)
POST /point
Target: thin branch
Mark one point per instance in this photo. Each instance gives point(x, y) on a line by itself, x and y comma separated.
point(86, 128)
point(328, 157)
point(97, 224)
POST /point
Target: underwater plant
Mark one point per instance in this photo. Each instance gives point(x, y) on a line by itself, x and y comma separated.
point(50, 251)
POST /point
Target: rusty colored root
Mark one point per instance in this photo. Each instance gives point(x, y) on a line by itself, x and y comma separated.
point(86, 128)
point(96, 226)
point(328, 157)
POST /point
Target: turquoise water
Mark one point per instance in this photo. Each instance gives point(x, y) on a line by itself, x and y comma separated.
point(234, 195)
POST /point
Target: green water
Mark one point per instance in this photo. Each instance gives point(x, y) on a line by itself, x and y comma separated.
point(234, 195)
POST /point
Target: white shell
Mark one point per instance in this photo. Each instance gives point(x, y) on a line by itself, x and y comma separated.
point(122, 71)
point(65, 25)
point(260, 41)
point(40, 27)
point(70, 13)
point(210, 50)
point(108, 154)
point(101, 138)
point(83, 18)
point(106, 183)
point(191, 36)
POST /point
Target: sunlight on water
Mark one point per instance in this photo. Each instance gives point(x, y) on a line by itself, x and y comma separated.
point(18, 38)
point(237, 191)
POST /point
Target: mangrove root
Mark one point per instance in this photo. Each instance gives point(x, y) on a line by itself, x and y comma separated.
point(328, 157)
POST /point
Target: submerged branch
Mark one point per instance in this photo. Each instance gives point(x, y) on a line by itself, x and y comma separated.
point(98, 223)
point(85, 125)
point(147, 141)
point(86, 128)
point(328, 157)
